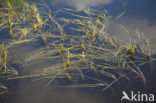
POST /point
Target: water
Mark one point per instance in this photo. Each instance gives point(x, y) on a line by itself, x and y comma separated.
point(139, 15)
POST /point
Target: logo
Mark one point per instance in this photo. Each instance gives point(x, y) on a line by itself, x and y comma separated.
point(137, 97)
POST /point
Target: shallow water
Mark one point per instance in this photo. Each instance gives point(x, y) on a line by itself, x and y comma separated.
point(28, 91)
point(139, 15)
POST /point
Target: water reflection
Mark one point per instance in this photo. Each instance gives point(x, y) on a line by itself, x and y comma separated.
point(28, 91)
point(139, 15)
point(133, 26)
point(80, 3)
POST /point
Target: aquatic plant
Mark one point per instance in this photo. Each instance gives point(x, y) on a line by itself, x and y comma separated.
point(95, 50)
point(87, 53)
point(5, 69)
point(4, 89)
point(3, 59)
point(13, 3)
point(14, 20)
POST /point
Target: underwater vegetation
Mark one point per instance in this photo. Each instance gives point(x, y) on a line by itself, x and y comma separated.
point(14, 3)
point(76, 43)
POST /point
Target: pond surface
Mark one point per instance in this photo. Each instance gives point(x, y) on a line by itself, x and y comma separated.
point(137, 15)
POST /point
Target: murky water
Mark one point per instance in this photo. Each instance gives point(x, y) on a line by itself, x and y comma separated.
point(138, 15)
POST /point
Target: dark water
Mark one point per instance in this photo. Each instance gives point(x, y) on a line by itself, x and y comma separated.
point(28, 91)
point(139, 14)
